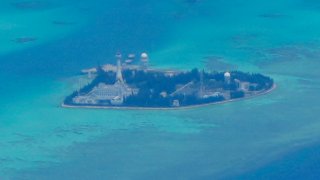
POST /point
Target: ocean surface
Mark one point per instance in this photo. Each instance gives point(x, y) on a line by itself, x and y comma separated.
point(45, 43)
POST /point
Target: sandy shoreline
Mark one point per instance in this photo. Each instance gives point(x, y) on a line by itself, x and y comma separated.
point(170, 108)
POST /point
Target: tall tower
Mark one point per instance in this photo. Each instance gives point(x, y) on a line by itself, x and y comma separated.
point(119, 71)
point(144, 60)
point(227, 77)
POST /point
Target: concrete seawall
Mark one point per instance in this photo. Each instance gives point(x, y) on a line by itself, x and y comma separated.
point(169, 108)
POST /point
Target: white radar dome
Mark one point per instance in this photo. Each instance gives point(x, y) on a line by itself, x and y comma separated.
point(144, 56)
point(227, 74)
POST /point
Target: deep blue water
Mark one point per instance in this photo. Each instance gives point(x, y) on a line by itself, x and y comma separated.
point(300, 164)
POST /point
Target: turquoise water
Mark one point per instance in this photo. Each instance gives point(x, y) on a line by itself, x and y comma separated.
point(265, 137)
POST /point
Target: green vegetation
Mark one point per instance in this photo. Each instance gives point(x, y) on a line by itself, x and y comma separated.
point(158, 89)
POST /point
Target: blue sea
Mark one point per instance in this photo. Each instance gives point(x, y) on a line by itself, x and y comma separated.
point(45, 43)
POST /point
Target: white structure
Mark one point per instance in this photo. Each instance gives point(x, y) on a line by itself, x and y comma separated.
point(144, 60)
point(131, 56)
point(243, 86)
point(89, 72)
point(144, 57)
point(176, 103)
point(227, 77)
point(114, 94)
point(119, 70)
point(164, 94)
point(215, 94)
point(130, 59)
point(117, 100)
point(84, 100)
point(108, 92)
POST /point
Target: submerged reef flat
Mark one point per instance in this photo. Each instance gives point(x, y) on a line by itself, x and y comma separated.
point(289, 54)
point(63, 23)
point(29, 5)
point(218, 64)
point(272, 15)
point(22, 40)
point(138, 86)
point(192, 1)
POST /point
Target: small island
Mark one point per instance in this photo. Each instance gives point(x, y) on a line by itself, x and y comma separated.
point(129, 85)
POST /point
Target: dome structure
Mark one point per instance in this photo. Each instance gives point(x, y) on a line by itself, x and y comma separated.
point(227, 75)
point(144, 57)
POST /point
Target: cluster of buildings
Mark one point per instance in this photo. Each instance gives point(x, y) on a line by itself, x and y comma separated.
point(112, 94)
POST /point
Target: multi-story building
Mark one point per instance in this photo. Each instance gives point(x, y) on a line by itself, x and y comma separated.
point(113, 94)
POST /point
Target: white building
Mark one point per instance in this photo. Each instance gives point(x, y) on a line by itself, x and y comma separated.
point(108, 92)
point(114, 94)
point(176, 103)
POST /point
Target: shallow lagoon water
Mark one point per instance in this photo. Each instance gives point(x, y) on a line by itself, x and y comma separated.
point(244, 139)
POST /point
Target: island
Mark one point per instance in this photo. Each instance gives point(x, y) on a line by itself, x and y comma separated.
point(132, 85)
